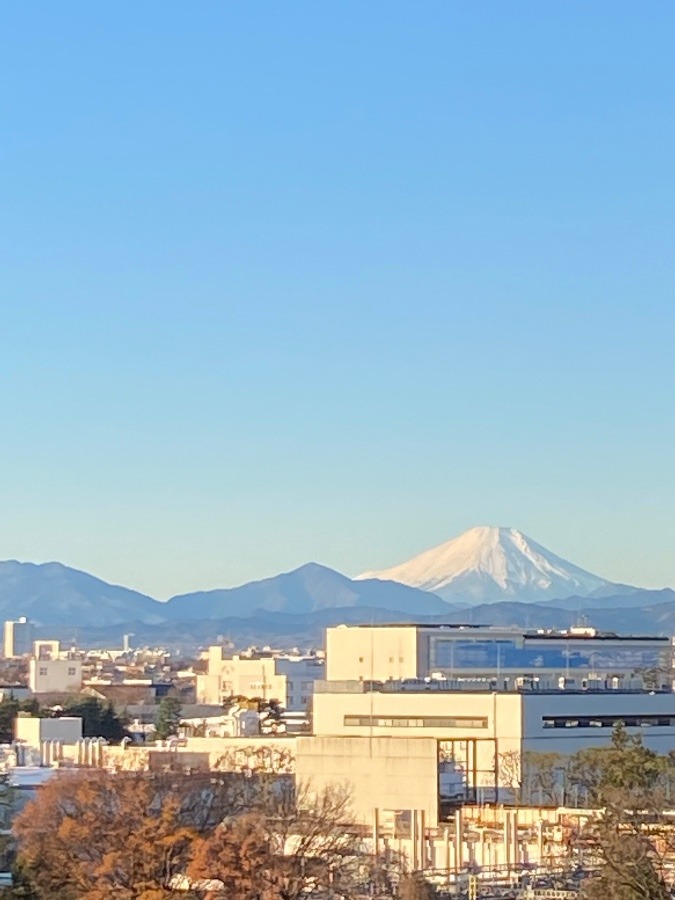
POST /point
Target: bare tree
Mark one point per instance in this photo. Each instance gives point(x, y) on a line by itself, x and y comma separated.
point(296, 842)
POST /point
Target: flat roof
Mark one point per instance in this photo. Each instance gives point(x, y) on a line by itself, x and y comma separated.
point(506, 629)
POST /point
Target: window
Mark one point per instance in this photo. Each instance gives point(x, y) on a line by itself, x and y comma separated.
point(72, 670)
point(415, 722)
point(43, 670)
point(633, 721)
point(360, 659)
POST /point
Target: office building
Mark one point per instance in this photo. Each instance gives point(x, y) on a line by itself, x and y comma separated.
point(18, 638)
point(395, 652)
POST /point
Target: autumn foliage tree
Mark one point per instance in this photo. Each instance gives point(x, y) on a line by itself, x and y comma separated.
point(290, 844)
point(228, 861)
point(93, 836)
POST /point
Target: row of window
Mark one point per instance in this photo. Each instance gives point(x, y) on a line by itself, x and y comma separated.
point(606, 721)
point(43, 671)
point(415, 722)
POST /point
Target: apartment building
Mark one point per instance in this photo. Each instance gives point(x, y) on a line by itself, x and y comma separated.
point(286, 678)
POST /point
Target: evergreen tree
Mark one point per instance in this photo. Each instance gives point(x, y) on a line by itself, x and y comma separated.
point(631, 835)
point(168, 717)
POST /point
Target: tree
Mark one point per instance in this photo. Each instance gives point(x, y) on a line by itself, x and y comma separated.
point(99, 718)
point(233, 856)
point(168, 717)
point(630, 835)
point(413, 886)
point(93, 836)
point(140, 836)
point(9, 710)
point(290, 844)
point(112, 728)
point(544, 778)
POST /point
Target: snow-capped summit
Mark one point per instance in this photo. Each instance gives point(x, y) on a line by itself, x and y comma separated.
point(488, 564)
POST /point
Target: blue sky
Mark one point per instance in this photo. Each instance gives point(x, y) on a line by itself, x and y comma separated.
point(335, 281)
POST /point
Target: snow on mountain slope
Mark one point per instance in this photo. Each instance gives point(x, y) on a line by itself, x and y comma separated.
point(488, 564)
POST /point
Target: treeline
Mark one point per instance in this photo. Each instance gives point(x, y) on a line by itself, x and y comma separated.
point(632, 834)
point(142, 836)
point(574, 780)
point(99, 718)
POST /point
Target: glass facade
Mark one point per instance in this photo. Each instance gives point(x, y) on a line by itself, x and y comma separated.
point(532, 653)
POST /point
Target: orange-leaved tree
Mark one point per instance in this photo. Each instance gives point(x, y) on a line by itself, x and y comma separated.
point(93, 836)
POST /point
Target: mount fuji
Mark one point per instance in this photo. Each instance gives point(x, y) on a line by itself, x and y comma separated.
point(487, 565)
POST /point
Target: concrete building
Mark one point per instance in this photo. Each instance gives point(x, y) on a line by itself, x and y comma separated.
point(395, 652)
point(46, 649)
point(237, 722)
point(470, 743)
point(54, 676)
point(34, 732)
point(18, 638)
point(285, 678)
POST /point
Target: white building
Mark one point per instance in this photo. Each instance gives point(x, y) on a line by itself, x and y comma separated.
point(34, 732)
point(18, 638)
point(469, 743)
point(237, 722)
point(394, 652)
point(46, 649)
point(284, 678)
point(417, 719)
point(47, 676)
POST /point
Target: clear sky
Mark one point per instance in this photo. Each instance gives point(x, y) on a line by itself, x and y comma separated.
point(335, 281)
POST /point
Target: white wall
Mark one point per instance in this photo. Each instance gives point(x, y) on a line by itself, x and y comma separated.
point(18, 638)
point(286, 679)
point(33, 731)
point(538, 738)
point(207, 689)
point(369, 654)
point(54, 675)
point(400, 773)
point(486, 725)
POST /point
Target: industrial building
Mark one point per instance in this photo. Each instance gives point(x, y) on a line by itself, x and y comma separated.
point(461, 735)
point(422, 719)
point(396, 652)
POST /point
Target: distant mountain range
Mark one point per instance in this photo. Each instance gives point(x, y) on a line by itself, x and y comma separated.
point(52, 594)
point(309, 589)
point(492, 576)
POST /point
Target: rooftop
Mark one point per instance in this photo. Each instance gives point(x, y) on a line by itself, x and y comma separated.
point(520, 685)
point(575, 633)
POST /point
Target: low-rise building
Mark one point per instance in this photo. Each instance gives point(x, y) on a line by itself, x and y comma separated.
point(288, 679)
point(33, 732)
point(47, 676)
point(471, 741)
